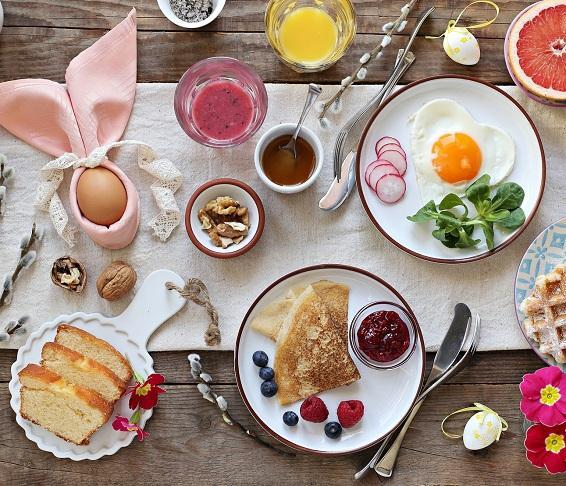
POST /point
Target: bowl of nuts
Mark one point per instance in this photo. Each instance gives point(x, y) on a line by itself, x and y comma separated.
point(224, 218)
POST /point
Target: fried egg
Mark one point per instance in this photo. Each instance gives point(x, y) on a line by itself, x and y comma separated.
point(450, 150)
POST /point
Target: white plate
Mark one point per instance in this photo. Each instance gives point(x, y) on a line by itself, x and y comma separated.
point(128, 333)
point(387, 394)
point(488, 105)
point(546, 251)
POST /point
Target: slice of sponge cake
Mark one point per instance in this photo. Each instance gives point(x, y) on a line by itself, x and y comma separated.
point(80, 370)
point(94, 348)
point(69, 411)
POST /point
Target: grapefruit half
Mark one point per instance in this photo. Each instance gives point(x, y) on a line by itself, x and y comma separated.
point(536, 50)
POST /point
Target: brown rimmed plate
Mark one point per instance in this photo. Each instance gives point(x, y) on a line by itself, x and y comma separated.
point(242, 193)
point(487, 104)
point(387, 394)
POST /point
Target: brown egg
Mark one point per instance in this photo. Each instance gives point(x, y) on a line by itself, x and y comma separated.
point(101, 196)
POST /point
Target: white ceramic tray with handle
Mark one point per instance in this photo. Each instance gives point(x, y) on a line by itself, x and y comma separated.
point(128, 333)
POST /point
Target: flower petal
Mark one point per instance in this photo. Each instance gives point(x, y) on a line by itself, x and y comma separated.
point(549, 416)
point(535, 437)
point(530, 409)
point(155, 379)
point(554, 463)
point(530, 386)
point(552, 375)
point(536, 458)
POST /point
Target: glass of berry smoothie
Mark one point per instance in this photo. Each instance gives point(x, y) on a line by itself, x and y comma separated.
point(220, 102)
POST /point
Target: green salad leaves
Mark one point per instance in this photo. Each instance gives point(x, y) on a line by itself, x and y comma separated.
point(454, 226)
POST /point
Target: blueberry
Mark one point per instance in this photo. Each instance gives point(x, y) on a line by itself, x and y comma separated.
point(266, 373)
point(260, 359)
point(290, 418)
point(268, 388)
point(333, 430)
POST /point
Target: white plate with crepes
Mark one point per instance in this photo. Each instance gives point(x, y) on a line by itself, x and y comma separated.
point(487, 105)
point(545, 253)
point(128, 333)
point(387, 394)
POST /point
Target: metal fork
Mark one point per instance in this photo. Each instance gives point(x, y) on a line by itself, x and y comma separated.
point(386, 464)
point(357, 122)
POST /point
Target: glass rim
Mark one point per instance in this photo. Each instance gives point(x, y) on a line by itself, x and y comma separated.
point(387, 365)
point(260, 104)
point(330, 61)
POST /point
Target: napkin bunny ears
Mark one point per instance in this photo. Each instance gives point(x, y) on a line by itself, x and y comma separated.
point(79, 124)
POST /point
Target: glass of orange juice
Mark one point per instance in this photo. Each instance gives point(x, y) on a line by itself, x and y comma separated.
point(310, 35)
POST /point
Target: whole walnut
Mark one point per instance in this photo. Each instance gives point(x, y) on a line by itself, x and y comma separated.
point(116, 280)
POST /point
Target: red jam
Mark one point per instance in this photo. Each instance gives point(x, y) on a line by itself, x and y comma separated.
point(383, 336)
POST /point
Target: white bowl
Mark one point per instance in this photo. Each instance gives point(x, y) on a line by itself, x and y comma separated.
point(242, 193)
point(165, 6)
point(288, 129)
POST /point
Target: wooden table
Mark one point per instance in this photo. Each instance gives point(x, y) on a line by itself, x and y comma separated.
point(189, 443)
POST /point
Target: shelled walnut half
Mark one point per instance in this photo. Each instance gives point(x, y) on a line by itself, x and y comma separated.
point(68, 274)
point(226, 221)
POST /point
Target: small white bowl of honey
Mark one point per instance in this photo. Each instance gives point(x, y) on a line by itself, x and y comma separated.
point(278, 169)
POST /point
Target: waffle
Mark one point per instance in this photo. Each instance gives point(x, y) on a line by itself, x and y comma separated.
point(545, 311)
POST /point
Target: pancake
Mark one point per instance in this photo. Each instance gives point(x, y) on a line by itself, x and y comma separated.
point(335, 296)
point(311, 355)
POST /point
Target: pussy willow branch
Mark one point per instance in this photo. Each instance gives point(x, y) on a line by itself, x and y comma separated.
point(24, 250)
point(368, 57)
point(205, 388)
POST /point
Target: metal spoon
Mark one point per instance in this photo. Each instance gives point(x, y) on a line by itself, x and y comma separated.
point(445, 357)
point(313, 94)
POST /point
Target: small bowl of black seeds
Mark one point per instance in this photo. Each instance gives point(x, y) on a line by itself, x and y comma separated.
point(191, 14)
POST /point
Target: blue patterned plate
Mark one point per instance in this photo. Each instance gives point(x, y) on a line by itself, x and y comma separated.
point(546, 251)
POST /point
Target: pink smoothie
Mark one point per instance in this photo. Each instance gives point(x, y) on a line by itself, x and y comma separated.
point(222, 110)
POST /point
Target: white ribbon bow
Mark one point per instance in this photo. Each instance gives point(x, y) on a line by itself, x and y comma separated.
point(168, 180)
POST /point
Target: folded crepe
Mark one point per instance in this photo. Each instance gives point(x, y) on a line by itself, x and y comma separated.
point(335, 296)
point(312, 355)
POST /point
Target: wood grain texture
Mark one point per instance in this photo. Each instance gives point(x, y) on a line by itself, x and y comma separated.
point(240, 15)
point(164, 56)
point(190, 443)
point(501, 367)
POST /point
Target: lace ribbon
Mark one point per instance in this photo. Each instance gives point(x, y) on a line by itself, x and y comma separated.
point(478, 407)
point(168, 180)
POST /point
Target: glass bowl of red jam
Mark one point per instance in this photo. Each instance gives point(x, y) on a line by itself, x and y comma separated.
point(220, 102)
point(383, 335)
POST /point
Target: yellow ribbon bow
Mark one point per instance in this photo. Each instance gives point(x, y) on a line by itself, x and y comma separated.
point(478, 407)
point(452, 23)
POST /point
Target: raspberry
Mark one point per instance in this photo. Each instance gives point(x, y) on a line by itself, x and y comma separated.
point(313, 409)
point(350, 412)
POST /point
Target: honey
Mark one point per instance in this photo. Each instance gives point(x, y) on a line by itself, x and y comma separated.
point(281, 168)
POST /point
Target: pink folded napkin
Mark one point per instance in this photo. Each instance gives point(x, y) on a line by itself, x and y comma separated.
point(90, 112)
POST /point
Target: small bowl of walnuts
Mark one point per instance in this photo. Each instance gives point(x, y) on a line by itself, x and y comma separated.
point(224, 218)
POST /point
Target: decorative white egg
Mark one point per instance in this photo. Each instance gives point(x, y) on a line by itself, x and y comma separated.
point(481, 430)
point(461, 46)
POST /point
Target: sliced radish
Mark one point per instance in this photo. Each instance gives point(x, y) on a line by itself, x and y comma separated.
point(390, 188)
point(396, 159)
point(392, 146)
point(379, 171)
point(372, 166)
point(384, 141)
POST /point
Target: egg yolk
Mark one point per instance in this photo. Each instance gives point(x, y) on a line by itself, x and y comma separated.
point(456, 157)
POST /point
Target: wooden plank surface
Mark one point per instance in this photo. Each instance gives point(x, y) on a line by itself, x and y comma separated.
point(189, 440)
point(40, 41)
point(189, 443)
